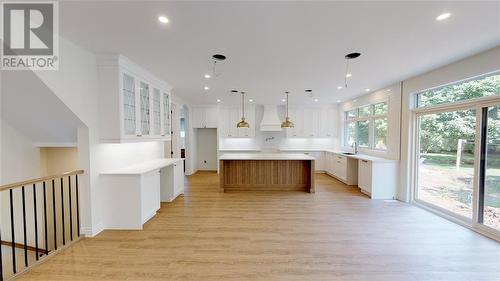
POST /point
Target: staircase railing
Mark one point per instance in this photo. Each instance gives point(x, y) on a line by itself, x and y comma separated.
point(43, 215)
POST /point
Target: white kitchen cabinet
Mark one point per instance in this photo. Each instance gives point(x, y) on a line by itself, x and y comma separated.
point(132, 194)
point(378, 179)
point(230, 116)
point(134, 104)
point(312, 123)
point(204, 116)
point(342, 167)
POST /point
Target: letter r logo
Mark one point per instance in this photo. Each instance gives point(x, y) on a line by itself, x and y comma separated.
point(28, 29)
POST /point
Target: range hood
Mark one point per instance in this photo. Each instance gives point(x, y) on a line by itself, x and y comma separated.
point(270, 121)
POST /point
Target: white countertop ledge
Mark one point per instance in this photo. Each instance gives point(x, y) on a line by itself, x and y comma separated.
point(144, 167)
point(266, 156)
point(238, 149)
point(363, 157)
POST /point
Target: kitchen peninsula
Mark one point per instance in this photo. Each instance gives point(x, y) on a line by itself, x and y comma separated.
point(266, 172)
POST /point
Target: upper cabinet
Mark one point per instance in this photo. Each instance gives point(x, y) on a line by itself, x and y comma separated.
point(230, 116)
point(134, 104)
point(204, 116)
point(312, 123)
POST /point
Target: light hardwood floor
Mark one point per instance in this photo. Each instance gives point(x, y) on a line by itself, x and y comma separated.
point(334, 234)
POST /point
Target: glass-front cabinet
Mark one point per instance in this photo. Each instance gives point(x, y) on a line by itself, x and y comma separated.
point(134, 104)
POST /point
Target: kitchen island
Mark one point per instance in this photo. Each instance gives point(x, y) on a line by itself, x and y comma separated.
point(266, 172)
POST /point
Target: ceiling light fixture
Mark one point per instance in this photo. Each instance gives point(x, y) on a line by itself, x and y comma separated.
point(217, 58)
point(218, 100)
point(250, 100)
point(339, 88)
point(443, 16)
point(315, 100)
point(163, 19)
point(243, 123)
point(367, 90)
point(349, 57)
point(287, 123)
point(206, 88)
point(283, 100)
point(338, 100)
point(309, 93)
point(207, 76)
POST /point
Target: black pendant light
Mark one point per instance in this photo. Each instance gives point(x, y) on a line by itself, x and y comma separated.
point(349, 57)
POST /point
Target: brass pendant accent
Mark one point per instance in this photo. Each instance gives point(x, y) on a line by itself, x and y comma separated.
point(243, 124)
point(287, 123)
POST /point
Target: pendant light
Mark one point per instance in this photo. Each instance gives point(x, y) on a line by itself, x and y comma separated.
point(287, 123)
point(243, 123)
point(349, 57)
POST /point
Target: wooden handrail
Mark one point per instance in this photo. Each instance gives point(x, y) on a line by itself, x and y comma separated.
point(42, 179)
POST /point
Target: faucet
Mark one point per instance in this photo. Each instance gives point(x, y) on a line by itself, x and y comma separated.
point(271, 138)
point(355, 146)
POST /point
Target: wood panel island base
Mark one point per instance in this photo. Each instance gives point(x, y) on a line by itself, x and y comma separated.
point(266, 172)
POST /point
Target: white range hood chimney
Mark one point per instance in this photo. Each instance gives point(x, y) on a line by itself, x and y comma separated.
point(270, 120)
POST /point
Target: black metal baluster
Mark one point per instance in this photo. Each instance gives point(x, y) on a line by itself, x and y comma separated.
point(12, 233)
point(36, 221)
point(24, 228)
point(1, 261)
point(70, 211)
point(77, 206)
point(54, 213)
point(62, 213)
point(45, 219)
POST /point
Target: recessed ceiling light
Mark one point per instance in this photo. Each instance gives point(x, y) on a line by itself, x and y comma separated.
point(250, 100)
point(367, 90)
point(283, 100)
point(339, 87)
point(354, 100)
point(443, 16)
point(163, 19)
point(388, 90)
point(316, 100)
point(348, 75)
point(218, 100)
point(338, 100)
point(206, 88)
point(207, 76)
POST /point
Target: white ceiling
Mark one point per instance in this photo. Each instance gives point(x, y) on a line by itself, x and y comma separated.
point(277, 46)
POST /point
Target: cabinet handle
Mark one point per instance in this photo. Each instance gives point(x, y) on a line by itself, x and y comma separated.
point(364, 161)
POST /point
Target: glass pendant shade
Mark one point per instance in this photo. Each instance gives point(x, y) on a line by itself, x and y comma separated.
point(287, 123)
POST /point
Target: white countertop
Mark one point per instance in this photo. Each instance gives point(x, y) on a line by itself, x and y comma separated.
point(144, 167)
point(238, 149)
point(362, 156)
point(265, 156)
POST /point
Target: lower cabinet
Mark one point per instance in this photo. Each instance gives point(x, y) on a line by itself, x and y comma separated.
point(341, 167)
point(172, 178)
point(378, 180)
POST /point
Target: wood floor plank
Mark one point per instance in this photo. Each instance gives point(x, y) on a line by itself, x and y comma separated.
point(335, 234)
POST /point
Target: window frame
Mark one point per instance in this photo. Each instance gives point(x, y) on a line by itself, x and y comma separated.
point(371, 124)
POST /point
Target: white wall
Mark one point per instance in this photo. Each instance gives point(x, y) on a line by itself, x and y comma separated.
point(392, 94)
point(206, 149)
point(482, 63)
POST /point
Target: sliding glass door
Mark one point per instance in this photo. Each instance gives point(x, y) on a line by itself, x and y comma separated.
point(489, 185)
point(457, 151)
point(446, 160)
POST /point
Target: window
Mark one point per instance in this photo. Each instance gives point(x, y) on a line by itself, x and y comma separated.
point(476, 88)
point(380, 133)
point(368, 126)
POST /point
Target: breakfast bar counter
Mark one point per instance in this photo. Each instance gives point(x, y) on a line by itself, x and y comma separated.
point(266, 172)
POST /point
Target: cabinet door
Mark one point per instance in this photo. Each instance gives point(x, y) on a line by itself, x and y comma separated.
point(156, 112)
point(198, 117)
point(145, 109)
point(129, 105)
point(297, 117)
point(329, 122)
point(365, 175)
point(211, 117)
point(311, 122)
point(234, 118)
point(166, 114)
point(178, 178)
